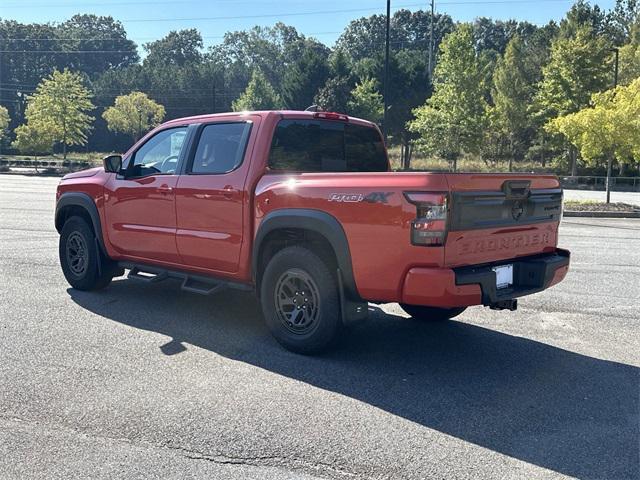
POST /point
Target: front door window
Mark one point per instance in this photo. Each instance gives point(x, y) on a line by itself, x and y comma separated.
point(159, 155)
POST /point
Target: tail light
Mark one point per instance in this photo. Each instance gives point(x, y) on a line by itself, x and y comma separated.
point(429, 228)
point(331, 116)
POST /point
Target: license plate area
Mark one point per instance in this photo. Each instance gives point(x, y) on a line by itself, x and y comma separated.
point(504, 276)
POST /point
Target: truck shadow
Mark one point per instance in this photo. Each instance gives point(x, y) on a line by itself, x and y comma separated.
point(560, 410)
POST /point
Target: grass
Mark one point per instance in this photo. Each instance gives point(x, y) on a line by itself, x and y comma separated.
point(94, 158)
point(423, 162)
point(596, 206)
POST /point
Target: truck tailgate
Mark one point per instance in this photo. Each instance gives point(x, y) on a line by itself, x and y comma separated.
point(494, 217)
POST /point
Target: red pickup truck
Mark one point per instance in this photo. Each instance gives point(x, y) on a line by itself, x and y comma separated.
point(302, 208)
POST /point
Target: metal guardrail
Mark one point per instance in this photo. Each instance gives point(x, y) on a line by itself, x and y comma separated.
point(591, 182)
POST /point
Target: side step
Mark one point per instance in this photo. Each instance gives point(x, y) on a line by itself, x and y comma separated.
point(190, 282)
point(198, 286)
point(149, 277)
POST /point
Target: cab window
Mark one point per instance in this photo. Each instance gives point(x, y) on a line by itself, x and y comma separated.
point(159, 155)
point(220, 148)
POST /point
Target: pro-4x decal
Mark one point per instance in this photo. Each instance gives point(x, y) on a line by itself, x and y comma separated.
point(373, 197)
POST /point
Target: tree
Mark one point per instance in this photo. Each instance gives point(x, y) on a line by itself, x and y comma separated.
point(84, 33)
point(609, 129)
point(624, 20)
point(178, 48)
point(409, 87)
point(365, 37)
point(133, 114)
point(4, 121)
point(452, 121)
point(366, 101)
point(630, 56)
point(59, 106)
point(305, 76)
point(629, 63)
point(259, 95)
point(579, 66)
point(268, 49)
point(33, 140)
point(511, 94)
point(582, 16)
point(495, 34)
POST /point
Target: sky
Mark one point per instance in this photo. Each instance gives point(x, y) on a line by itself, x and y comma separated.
point(147, 20)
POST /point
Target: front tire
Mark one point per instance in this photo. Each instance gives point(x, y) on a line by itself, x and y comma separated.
point(300, 301)
point(80, 258)
point(431, 314)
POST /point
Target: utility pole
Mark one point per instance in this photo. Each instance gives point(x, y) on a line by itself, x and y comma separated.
point(610, 159)
point(386, 73)
point(213, 96)
point(431, 41)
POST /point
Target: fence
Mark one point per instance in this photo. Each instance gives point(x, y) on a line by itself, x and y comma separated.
point(622, 184)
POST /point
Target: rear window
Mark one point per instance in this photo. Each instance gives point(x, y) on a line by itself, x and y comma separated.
point(326, 146)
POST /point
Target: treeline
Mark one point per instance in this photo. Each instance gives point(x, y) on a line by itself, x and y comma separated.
point(495, 92)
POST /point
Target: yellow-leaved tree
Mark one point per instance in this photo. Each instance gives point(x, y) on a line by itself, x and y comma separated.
point(608, 129)
point(57, 112)
point(133, 114)
point(4, 121)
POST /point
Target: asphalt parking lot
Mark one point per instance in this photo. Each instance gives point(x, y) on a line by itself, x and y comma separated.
point(145, 381)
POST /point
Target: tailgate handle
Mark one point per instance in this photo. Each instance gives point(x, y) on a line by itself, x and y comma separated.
point(516, 189)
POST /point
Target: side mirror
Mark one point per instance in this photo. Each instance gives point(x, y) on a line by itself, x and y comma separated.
point(112, 163)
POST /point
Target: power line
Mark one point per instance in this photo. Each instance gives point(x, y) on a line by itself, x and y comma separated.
point(349, 10)
point(102, 4)
point(90, 39)
point(265, 15)
point(67, 51)
point(394, 42)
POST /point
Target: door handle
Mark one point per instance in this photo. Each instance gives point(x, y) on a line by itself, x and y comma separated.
point(228, 192)
point(165, 189)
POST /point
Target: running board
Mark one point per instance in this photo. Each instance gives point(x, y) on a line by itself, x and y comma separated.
point(190, 283)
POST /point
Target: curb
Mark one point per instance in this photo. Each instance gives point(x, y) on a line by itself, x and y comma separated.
point(601, 214)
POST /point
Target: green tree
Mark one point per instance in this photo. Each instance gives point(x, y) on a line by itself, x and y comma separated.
point(453, 119)
point(511, 94)
point(409, 87)
point(133, 114)
point(268, 49)
point(624, 20)
point(305, 76)
point(177, 48)
point(365, 37)
point(334, 95)
point(609, 129)
point(579, 66)
point(582, 15)
point(630, 56)
point(4, 122)
point(259, 95)
point(84, 33)
point(59, 106)
point(32, 140)
point(366, 101)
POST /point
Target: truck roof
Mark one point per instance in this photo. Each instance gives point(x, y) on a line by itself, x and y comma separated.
point(265, 113)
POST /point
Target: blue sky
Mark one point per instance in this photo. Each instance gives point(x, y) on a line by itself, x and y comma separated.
point(146, 20)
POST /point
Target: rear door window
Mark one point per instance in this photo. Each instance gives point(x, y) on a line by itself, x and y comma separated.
point(220, 148)
point(326, 146)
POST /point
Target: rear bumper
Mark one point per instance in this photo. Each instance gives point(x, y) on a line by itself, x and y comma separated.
point(476, 285)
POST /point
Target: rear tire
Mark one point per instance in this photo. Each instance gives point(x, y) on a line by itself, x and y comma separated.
point(300, 301)
point(79, 257)
point(431, 314)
